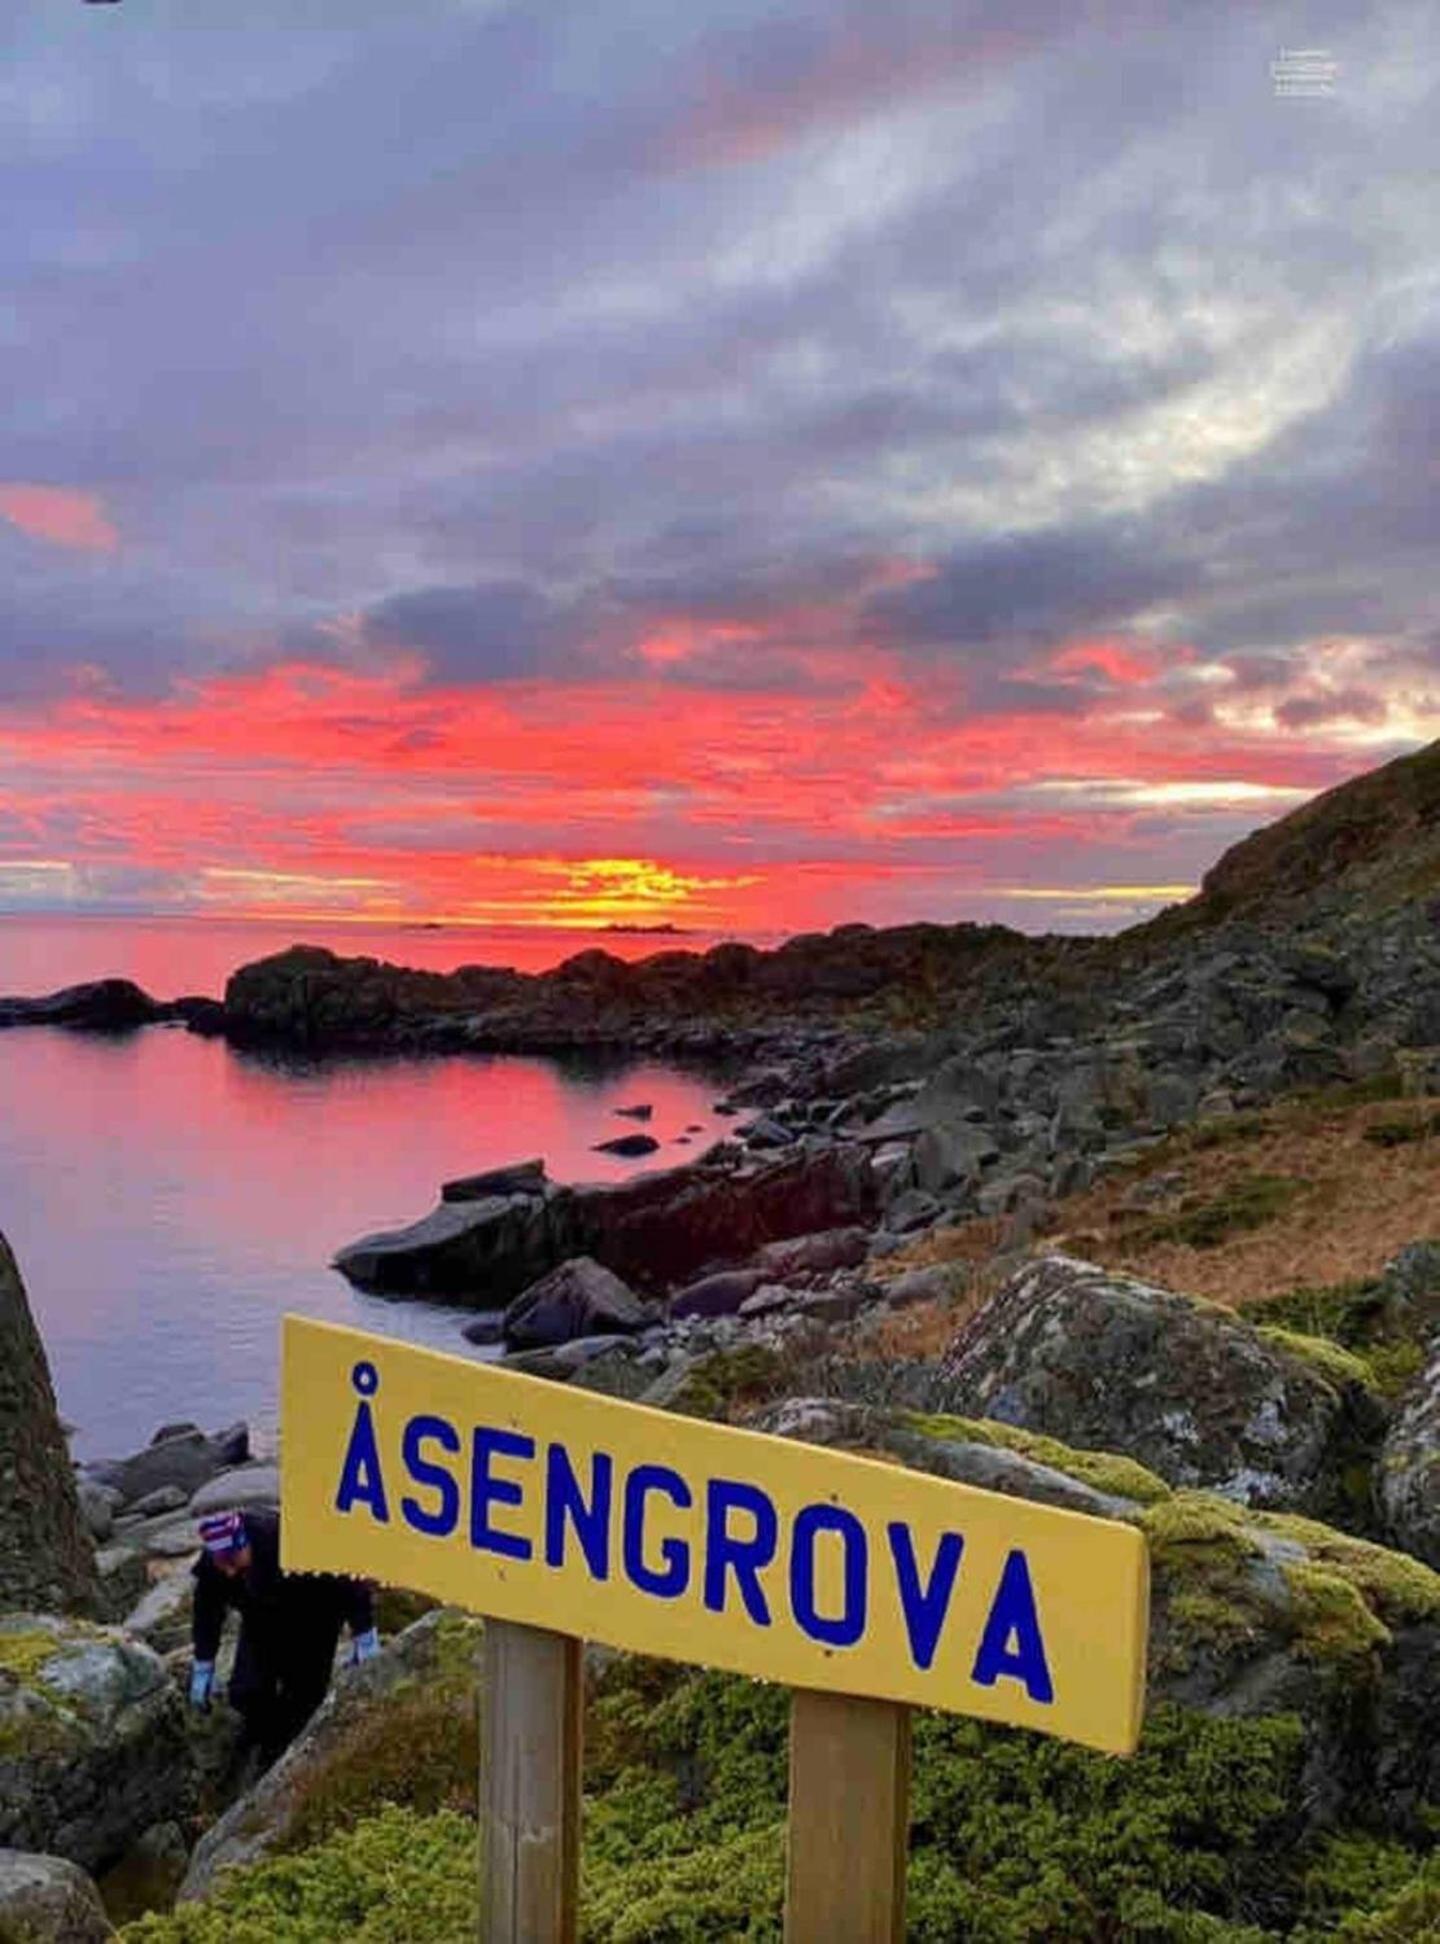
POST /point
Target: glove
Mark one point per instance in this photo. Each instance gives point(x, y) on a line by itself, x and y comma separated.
point(367, 1646)
point(202, 1679)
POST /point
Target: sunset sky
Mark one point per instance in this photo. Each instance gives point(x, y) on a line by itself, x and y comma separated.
point(753, 465)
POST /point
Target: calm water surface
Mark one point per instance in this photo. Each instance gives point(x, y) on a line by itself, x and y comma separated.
point(169, 1199)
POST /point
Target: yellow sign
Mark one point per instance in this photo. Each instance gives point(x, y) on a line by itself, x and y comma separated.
point(558, 1508)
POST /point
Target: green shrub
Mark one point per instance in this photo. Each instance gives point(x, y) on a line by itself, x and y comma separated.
point(1365, 1317)
point(397, 1878)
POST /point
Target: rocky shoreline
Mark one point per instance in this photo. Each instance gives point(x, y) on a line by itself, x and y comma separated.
point(899, 1086)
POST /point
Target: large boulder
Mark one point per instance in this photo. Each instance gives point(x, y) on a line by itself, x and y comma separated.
point(93, 1734)
point(1102, 1360)
point(959, 1091)
point(47, 1559)
point(45, 1900)
point(578, 1299)
point(481, 1251)
point(1252, 1613)
point(404, 1727)
point(1408, 1473)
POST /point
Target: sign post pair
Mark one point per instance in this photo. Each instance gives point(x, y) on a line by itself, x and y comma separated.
point(566, 1516)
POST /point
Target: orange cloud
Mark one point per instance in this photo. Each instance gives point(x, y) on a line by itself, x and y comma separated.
point(60, 514)
point(320, 791)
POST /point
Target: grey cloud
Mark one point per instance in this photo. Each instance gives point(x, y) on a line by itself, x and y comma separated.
point(435, 321)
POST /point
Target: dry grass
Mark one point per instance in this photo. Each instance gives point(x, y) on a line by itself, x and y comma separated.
point(1356, 1203)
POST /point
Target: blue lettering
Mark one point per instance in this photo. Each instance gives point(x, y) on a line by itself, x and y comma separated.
point(361, 1480)
point(724, 1551)
point(485, 1491)
point(672, 1581)
point(848, 1627)
point(591, 1521)
point(925, 1607)
point(433, 1477)
point(1013, 1615)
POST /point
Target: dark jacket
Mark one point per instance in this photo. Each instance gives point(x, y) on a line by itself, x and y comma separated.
point(284, 1616)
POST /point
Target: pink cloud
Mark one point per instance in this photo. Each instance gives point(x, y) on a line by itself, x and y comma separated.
point(60, 514)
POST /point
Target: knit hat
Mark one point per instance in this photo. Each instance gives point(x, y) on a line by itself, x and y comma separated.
point(222, 1533)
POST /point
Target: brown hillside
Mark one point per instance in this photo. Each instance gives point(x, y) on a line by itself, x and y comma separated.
point(1376, 837)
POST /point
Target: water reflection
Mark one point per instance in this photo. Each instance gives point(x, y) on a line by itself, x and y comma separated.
point(169, 1199)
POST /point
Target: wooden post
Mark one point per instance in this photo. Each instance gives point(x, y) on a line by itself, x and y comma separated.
point(849, 1820)
point(530, 1785)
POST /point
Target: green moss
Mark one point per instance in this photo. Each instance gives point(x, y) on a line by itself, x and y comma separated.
point(1202, 1556)
point(1106, 1471)
point(1366, 1317)
point(46, 1724)
point(1192, 1526)
point(717, 1383)
point(23, 1654)
point(398, 1878)
point(1332, 1620)
point(1337, 1366)
point(1399, 1590)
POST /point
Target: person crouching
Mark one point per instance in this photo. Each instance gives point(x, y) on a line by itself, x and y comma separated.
point(289, 1627)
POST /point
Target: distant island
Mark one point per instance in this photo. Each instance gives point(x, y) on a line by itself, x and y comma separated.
point(648, 931)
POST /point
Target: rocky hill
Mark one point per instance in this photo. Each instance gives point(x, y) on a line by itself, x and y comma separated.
point(1369, 845)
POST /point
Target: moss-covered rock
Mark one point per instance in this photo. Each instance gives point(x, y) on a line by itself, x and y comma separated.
point(1190, 1389)
point(47, 1561)
point(92, 1739)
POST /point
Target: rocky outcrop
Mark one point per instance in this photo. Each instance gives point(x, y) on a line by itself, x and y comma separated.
point(308, 996)
point(93, 1735)
point(1190, 1389)
point(654, 1230)
point(101, 1006)
point(46, 1557)
point(45, 1900)
point(1408, 1472)
point(403, 1713)
point(1252, 1613)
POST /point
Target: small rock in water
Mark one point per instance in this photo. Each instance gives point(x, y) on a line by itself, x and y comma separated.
point(628, 1146)
point(641, 1111)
